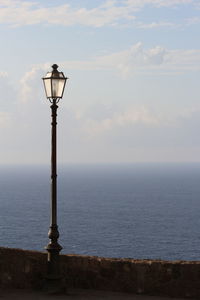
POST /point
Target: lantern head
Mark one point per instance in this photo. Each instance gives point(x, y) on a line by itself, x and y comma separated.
point(54, 83)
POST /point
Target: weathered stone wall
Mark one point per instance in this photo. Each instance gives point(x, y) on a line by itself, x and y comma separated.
point(25, 269)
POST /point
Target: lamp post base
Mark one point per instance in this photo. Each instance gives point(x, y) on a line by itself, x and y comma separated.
point(54, 283)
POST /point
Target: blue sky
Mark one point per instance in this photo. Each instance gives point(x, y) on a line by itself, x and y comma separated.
point(133, 93)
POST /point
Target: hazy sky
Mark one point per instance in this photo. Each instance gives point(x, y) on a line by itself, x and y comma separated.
point(134, 88)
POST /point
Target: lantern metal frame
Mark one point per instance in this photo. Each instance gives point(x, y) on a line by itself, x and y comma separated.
point(54, 75)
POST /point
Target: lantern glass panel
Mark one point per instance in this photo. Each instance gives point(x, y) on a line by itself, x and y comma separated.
point(54, 83)
point(47, 85)
point(55, 87)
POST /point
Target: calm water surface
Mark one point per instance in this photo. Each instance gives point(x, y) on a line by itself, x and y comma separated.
point(137, 211)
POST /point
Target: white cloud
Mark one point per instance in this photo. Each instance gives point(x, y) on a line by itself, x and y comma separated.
point(197, 4)
point(137, 59)
point(25, 13)
point(182, 60)
point(193, 21)
point(126, 61)
point(20, 13)
point(158, 3)
point(155, 25)
point(117, 128)
point(29, 82)
point(139, 127)
point(5, 119)
point(3, 74)
point(131, 116)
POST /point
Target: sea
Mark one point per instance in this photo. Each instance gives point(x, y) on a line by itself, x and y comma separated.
point(140, 211)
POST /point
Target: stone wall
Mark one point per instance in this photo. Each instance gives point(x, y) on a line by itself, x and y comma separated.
point(26, 269)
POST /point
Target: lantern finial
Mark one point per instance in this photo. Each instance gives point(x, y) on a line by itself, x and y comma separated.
point(55, 67)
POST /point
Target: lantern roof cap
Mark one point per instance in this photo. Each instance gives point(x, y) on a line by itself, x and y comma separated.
point(55, 66)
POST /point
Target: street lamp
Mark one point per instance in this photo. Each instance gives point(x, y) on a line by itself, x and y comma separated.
point(54, 83)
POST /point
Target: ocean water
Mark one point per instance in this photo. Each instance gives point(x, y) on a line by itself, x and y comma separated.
point(135, 211)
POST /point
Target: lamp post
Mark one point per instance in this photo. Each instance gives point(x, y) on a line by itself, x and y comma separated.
point(54, 83)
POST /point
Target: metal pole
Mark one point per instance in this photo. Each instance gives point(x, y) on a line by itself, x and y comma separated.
point(53, 247)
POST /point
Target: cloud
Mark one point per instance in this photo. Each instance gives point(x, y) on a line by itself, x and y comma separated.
point(197, 4)
point(5, 119)
point(19, 13)
point(8, 94)
point(134, 60)
point(193, 20)
point(29, 82)
point(138, 127)
point(118, 129)
point(26, 84)
point(182, 60)
point(125, 62)
point(137, 59)
point(3, 74)
point(155, 25)
point(132, 116)
point(29, 13)
point(157, 3)
point(132, 133)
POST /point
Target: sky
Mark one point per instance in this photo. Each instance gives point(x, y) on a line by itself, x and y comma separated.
point(133, 93)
